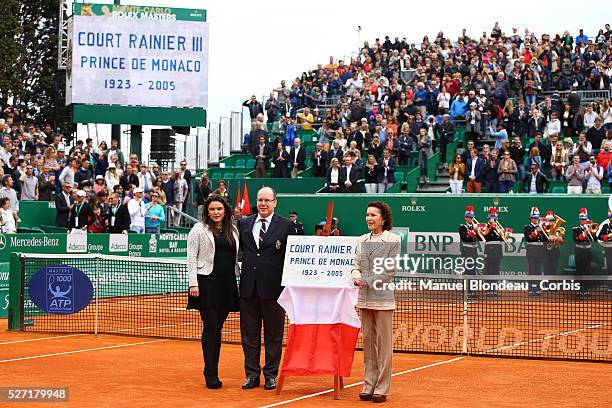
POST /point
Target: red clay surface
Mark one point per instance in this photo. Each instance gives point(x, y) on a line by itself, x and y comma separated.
point(125, 371)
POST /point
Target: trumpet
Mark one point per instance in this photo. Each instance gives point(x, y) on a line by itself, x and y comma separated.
point(476, 227)
point(590, 230)
point(542, 230)
point(501, 231)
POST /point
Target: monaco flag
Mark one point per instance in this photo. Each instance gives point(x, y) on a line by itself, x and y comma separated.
point(323, 330)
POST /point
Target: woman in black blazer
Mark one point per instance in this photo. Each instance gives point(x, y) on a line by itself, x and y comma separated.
point(212, 267)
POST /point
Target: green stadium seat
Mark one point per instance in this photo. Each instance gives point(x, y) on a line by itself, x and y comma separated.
point(250, 164)
point(399, 176)
point(228, 176)
point(240, 163)
point(558, 190)
point(215, 176)
point(605, 190)
point(239, 176)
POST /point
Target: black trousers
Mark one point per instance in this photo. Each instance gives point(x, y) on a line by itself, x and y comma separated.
point(253, 312)
point(551, 260)
point(583, 257)
point(534, 265)
point(213, 320)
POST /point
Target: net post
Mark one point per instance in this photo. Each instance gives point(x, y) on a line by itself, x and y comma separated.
point(96, 322)
point(16, 295)
point(466, 328)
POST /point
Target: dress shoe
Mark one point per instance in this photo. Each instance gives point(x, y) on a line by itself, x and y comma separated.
point(364, 396)
point(377, 398)
point(214, 384)
point(270, 384)
point(251, 382)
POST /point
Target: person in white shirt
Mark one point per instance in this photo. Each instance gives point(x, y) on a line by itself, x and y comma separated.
point(136, 208)
point(7, 220)
point(589, 117)
point(594, 174)
point(146, 181)
point(553, 127)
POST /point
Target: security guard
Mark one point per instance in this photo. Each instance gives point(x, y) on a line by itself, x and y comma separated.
point(298, 227)
point(493, 246)
point(535, 238)
point(552, 251)
point(583, 252)
point(604, 235)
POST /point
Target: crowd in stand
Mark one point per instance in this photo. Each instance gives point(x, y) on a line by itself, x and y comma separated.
point(395, 98)
point(94, 188)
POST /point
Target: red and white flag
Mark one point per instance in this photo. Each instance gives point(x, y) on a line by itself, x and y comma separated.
point(323, 330)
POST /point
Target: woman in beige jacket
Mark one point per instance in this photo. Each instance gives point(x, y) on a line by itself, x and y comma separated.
point(376, 301)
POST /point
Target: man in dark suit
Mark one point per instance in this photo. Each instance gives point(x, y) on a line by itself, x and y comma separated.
point(63, 204)
point(535, 182)
point(474, 171)
point(262, 155)
point(118, 216)
point(319, 159)
point(263, 238)
point(386, 172)
point(336, 151)
point(297, 157)
point(81, 213)
point(350, 174)
point(280, 158)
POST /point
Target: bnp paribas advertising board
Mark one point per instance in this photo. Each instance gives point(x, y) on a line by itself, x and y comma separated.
point(137, 55)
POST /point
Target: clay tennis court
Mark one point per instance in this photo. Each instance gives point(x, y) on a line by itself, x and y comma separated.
point(127, 371)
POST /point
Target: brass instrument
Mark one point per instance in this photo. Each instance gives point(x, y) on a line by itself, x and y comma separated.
point(590, 231)
point(557, 230)
point(476, 227)
point(501, 231)
point(542, 230)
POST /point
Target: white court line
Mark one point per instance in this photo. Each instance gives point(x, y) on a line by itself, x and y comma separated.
point(361, 382)
point(44, 338)
point(550, 336)
point(82, 351)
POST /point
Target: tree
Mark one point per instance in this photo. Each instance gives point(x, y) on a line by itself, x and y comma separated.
point(9, 49)
point(30, 75)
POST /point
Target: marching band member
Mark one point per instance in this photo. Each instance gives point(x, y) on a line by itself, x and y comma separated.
point(493, 246)
point(552, 253)
point(535, 238)
point(469, 236)
point(583, 254)
point(604, 235)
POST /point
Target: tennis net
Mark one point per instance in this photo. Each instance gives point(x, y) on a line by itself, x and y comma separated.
point(560, 317)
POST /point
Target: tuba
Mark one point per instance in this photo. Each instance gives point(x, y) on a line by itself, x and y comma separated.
point(557, 228)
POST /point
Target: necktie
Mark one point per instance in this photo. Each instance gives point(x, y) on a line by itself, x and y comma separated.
point(262, 231)
point(146, 185)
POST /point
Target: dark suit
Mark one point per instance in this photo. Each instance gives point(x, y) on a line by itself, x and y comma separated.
point(84, 214)
point(260, 287)
point(262, 165)
point(338, 154)
point(122, 220)
point(319, 165)
point(300, 159)
point(390, 171)
point(281, 169)
point(352, 177)
point(62, 216)
point(541, 183)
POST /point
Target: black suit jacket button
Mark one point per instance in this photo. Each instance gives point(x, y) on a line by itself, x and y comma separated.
point(254, 267)
point(258, 254)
